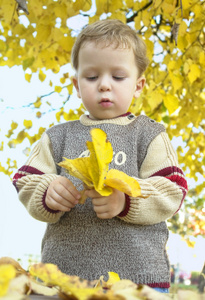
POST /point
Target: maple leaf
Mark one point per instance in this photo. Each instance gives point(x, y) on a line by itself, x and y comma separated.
point(94, 170)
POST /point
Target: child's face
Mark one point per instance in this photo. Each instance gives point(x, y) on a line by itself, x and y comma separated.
point(107, 80)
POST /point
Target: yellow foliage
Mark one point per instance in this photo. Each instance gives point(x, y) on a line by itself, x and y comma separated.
point(28, 77)
point(194, 72)
point(7, 272)
point(38, 103)
point(94, 170)
point(171, 103)
point(14, 125)
point(27, 123)
point(41, 76)
point(58, 284)
point(58, 89)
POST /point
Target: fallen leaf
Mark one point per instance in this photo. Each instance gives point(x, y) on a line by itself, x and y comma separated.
point(7, 272)
point(10, 261)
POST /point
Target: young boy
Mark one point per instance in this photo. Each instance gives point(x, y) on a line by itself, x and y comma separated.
point(116, 233)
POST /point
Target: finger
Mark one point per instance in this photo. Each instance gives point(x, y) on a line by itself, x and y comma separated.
point(92, 194)
point(105, 215)
point(68, 185)
point(100, 209)
point(63, 194)
point(52, 204)
point(101, 201)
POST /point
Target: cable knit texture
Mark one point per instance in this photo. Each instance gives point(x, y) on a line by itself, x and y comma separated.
point(132, 244)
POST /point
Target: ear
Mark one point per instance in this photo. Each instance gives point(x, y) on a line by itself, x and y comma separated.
point(139, 87)
point(75, 83)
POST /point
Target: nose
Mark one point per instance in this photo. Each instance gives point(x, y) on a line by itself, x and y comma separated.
point(104, 84)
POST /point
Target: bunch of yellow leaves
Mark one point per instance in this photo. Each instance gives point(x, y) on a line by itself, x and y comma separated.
point(16, 283)
point(94, 170)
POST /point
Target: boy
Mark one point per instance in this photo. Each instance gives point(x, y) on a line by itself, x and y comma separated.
point(117, 233)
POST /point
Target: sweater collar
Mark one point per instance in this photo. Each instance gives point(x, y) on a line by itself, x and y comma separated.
point(124, 119)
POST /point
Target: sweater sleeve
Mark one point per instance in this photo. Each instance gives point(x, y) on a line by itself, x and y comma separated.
point(33, 179)
point(162, 183)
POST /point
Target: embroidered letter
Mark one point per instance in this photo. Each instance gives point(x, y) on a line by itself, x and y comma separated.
point(85, 153)
point(120, 158)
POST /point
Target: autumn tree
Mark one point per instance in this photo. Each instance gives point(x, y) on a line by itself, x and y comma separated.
point(37, 36)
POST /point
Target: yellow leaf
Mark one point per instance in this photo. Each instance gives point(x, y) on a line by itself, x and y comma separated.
point(79, 293)
point(20, 137)
point(182, 28)
point(38, 114)
point(156, 3)
point(187, 3)
point(38, 102)
point(70, 88)
point(41, 76)
point(48, 273)
point(168, 8)
point(202, 58)
point(58, 89)
point(66, 43)
point(171, 102)
point(27, 123)
point(73, 287)
point(101, 154)
point(176, 81)
point(79, 168)
point(43, 32)
point(186, 67)
point(194, 73)
point(28, 77)
point(138, 20)
point(2, 46)
point(7, 272)
point(62, 80)
point(82, 5)
point(93, 170)
point(150, 48)
point(122, 182)
point(146, 17)
point(14, 125)
point(113, 278)
point(120, 15)
point(154, 99)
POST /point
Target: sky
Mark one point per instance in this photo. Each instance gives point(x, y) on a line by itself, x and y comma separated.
point(20, 234)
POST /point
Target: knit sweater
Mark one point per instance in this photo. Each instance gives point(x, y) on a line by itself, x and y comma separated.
point(133, 244)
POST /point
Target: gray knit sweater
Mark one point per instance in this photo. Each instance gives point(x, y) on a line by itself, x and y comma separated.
point(132, 244)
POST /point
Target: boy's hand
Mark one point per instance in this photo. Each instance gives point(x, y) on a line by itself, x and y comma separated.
point(107, 207)
point(62, 194)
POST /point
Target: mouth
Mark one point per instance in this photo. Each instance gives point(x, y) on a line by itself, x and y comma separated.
point(105, 100)
point(106, 103)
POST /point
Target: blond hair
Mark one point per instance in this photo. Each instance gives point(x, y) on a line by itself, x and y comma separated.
point(112, 32)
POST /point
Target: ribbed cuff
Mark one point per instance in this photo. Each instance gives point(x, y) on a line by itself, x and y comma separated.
point(127, 207)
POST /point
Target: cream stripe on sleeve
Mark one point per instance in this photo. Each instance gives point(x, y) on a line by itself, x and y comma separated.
point(34, 178)
point(162, 196)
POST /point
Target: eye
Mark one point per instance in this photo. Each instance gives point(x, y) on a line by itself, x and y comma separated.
point(91, 78)
point(118, 78)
